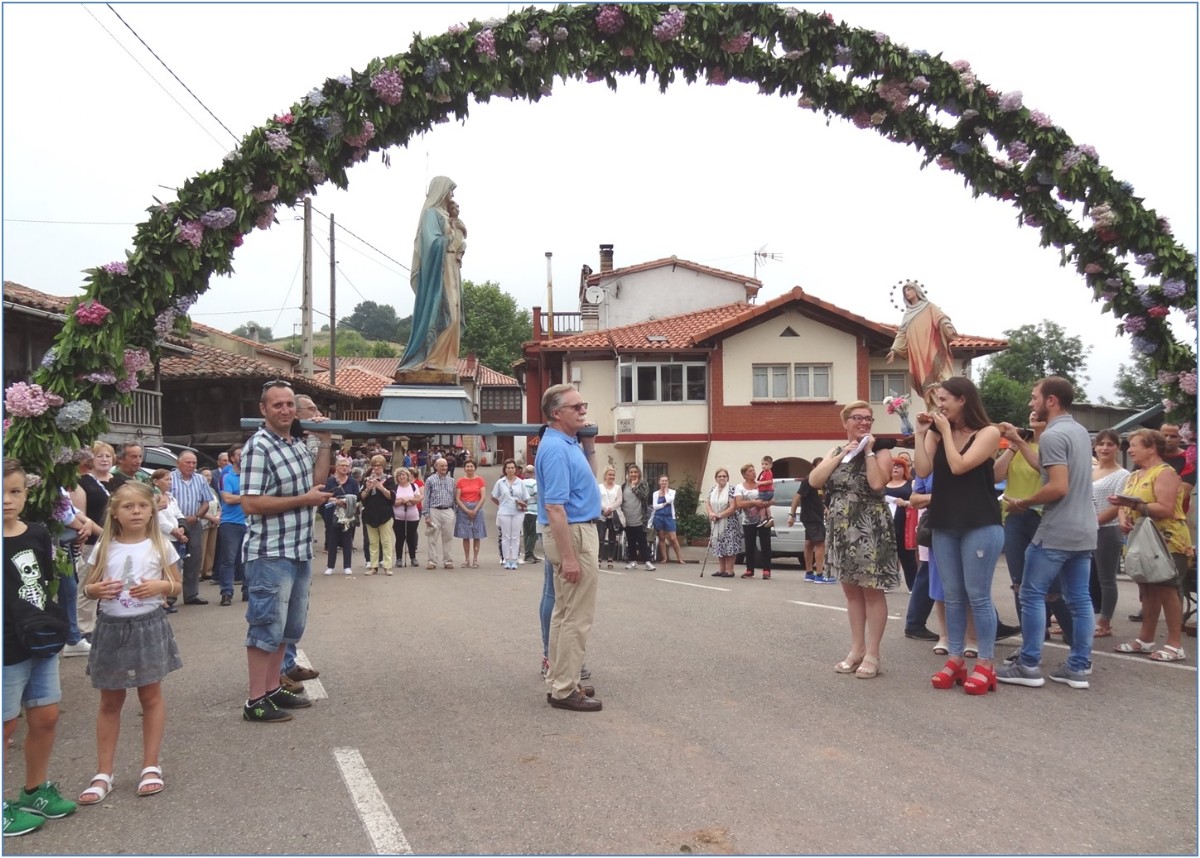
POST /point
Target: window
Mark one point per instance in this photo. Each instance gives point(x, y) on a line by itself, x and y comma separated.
point(884, 384)
point(500, 399)
point(791, 381)
point(661, 381)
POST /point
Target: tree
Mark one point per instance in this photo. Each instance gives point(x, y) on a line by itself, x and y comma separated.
point(495, 327)
point(349, 344)
point(373, 321)
point(253, 331)
point(1005, 399)
point(403, 330)
point(1034, 352)
point(1136, 385)
point(381, 349)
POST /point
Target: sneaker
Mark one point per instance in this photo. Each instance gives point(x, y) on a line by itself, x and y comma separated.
point(81, 648)
point(18, 822)
point(1087, 671)
point(329, 571)
point(810, 577)
point(1018, 674)
point(920, 634)
point(46, 801)
point(285, 699)
point(630, 565)
point(263, 711)
point(1003, 630)
point(545, 667)
point(347, 571)
point(1064, 674)
point(650, 567)
point(584, 673)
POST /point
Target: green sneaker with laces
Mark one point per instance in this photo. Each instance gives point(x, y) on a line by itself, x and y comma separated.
point(46, 801)
point(18, 822)
point(264, 711)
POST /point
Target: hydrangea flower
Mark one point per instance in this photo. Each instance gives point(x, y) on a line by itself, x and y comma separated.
point(1187, 383)
point(1102, 215)
point(164, 322)
point(919, 83)
point(363, 137)
point(670, 24)
point(218, 218)
point(1144, 296)
point(91, 313)
point(237, 240)
point(791, 13)
point(1174, 289)
point(945, 162)
point(717, 76)
point(737, 44)
point(1089, 150)
point(493, 23)
point(344, 80)
point(1093, 268)
point(71, 416)
point(1144, 345)
point(795, 55)
point(315, 98)
point(456, 29)
point(1145, 259)
point(1113, 282)
point(314, 170)
point(1134, 324)
point(535, 42)
point(1040, 119)
point(485, 44)
point(1033, 220)
point(329, 126)
point(805, 101)
point(265, 218)
point(125, 385)
point(285, 119)
point(62, 506)
point(560, 34)
point(1168, 404)
point(29, 400)
point(960, 66)
point(968, 81)
point(610, 20)
point(842, 55)
point(137, 360)
point(265, 196)
point(190, 232)
point(881, 38)
point(64, 454)
point(277, 141)
point(1018, 151)
point(1011, 101)
point(1165, 377)
point(1158, 312)
point(101, 377)
point(862, 119)
point(389, 86)
point(115, 268)
point(878, 117)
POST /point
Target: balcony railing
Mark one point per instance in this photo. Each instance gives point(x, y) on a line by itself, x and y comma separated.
point(560, 323)
point(144, 412)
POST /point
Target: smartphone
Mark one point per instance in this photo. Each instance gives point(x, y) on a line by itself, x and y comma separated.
point(1129, 498)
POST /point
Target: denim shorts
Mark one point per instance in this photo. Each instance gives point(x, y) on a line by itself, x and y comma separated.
point(277, 605)
point(30, 683)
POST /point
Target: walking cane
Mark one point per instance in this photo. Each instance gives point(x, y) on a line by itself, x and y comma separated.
point(705, 563)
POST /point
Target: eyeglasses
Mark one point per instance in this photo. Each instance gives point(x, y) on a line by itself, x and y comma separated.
point(278, 382)
point(579, 407)
point(860, 418)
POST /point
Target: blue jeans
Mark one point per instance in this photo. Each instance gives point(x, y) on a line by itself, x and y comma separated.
point(229, 555)
point(546, 609)
point(920, 605)
point(1042, 567)
point(1019, 530)
point(68, 590)
point(966, 561)
point(278, 603)
point(30, 683)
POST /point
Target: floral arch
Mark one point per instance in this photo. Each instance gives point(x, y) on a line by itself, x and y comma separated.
point(1125, 253)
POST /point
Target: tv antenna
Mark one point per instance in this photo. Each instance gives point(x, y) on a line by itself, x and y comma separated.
point(762, 256)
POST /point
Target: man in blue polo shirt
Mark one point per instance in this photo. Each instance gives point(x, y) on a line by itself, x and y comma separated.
point(568, 506)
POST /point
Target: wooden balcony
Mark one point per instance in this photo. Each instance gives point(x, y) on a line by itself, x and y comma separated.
point(549, 325)
point(140, 420)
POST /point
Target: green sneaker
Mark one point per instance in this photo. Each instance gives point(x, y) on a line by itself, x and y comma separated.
point(18, 822)
point(264, 711)
point(46, 801)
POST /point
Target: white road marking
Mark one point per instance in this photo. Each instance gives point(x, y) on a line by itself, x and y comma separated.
point(611, 572)
point(313, 687)
point(832, 608)
point(690, 584)
point(1121, 656)
point(387, 838)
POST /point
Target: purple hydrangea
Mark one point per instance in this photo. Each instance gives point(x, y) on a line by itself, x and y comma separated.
point(363, 137)
point(1113, 282)
point(1174, 289)
point(1089, 150)
point(919, 83)
point(218, 218)
point(881, 38)
point(535, 42)
point(164, 323)
point(1018, 151)
point(344, 80)
point(101, 377)
point(1134, 324)
point(610, 20)
point(73, 415)
point(1033, 220)
point(670, 24)
point(560, 34)
point(1011, 101)
point(739, 43)
point(1070, 158)
point(842, 55)
point(49, 358)
point(314, 170)
point(1145, 259)
point(265, 218)
point(1144, 297)
point(389, 86)
point(1187, 383)
point(189, 232)
point(267, 195)
point(1040, 119)
point(277, 141)
point(116, 268)
point(1144, 345)
point(485, 44)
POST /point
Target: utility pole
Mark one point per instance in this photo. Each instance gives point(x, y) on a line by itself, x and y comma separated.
point(306, 344)
point(332, 307)
point(549, 298)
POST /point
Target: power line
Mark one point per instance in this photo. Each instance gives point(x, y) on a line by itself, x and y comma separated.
point(152, 77)
point(168, 68)
point(70, 222)
point(363, 240)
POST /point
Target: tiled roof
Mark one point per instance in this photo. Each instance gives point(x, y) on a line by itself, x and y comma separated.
point(210, 362)
point(26, 297)
point(489, 377)
point(486, 376)
point(358, 381)
point(691, 330)
point(263, 348)
point(681, 263)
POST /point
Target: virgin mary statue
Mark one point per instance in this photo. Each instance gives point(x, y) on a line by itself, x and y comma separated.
point(924, 338)
point(436, 279)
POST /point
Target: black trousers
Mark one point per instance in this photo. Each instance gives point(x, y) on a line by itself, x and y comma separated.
point(760, 556)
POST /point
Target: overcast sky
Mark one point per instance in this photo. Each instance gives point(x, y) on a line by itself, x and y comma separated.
point(94, 127)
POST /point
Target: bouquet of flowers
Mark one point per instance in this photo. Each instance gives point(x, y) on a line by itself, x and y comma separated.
point(899, 405)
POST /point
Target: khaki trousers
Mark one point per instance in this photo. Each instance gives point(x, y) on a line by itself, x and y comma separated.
point(441, 534)
point(574, 607)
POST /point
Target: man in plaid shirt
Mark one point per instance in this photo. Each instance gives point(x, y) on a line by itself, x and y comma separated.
point(277, 496)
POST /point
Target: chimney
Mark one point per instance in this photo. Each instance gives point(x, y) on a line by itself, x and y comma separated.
point(472, 362)
point(606, 258)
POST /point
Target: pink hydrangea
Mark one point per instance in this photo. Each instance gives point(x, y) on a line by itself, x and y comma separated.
point(1093, 268)
point(362, 138)
point(456, 29)
point(919, 83)
point(1134, 324)
point(1040, 119)
point(1158, 312)
point(670, 24)
point(265, 218)
point(862, 119)
point(278, 141)
point(610, 20)
point(389, 86)
point(125, 385)
point(717, 76)
point(267, 195)
point(1164, 377)
point(737, 44)
point(91, 313)
point(945, 162)
point(118, 268)
point(960, 66)
point(29, 400)
point(1018, 151)
point(189, 232)
point(1011, 101)
point(136, 360)
point(485, 44)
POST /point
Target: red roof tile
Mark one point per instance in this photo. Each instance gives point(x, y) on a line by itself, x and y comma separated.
point(26, 297)
point(359, 381)
point(752, 282)
point(207, 361)
point(487, 376)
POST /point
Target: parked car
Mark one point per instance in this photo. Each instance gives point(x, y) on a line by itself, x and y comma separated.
point(786, 540)
point(167, 456)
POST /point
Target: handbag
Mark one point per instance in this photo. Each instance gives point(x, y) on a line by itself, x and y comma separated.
point(910, 528)
point(924, 532)
point(1147, 559)
point(41, 632)
point(619, 525)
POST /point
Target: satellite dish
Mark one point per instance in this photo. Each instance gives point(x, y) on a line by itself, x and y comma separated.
point(594, 295)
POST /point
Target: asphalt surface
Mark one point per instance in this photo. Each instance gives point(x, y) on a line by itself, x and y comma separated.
point(724, 730)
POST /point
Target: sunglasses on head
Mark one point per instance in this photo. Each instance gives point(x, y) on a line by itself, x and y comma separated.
point(278, 382)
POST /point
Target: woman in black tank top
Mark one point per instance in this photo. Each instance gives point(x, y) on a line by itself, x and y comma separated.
point(957, 444)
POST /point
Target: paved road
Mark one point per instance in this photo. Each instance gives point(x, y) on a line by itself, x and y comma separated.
point(724, 730)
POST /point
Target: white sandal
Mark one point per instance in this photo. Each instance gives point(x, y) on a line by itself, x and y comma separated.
point(100, 792)
point(151, 777)
point(1168, 653)
point(1137, 645)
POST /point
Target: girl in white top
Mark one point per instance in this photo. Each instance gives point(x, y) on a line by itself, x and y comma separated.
point(133, 569)
point(512, 497)
point(663, 503)
point(609, 524)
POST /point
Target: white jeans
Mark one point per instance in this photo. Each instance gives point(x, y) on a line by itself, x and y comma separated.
point(511, 528)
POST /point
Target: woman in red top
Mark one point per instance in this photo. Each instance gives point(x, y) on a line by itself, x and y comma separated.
point(468, 515)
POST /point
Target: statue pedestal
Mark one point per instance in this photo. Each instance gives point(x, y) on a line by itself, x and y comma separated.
point(425, 376)
point(431, 405)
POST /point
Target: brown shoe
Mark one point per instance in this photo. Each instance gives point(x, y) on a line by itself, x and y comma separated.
point(588, 691)
point(577, 702)
point(286, 682)
point(302, 674)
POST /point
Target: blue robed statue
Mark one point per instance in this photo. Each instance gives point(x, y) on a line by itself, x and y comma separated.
point(436, 278)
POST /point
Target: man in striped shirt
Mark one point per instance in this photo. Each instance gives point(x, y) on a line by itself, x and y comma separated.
point(192, 492)
point(277, 496)
point(438, 510)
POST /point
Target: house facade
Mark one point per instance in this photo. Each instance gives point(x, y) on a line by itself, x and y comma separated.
point(722, 386)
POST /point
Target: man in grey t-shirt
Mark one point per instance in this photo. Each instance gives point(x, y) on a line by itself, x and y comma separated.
point(1064, 540)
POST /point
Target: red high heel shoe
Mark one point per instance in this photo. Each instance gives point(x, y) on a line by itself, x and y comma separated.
point(974, 685)
point(956, 676)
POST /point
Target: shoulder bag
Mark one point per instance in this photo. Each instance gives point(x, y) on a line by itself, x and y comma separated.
point(1147, 559)
point(41, 632)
